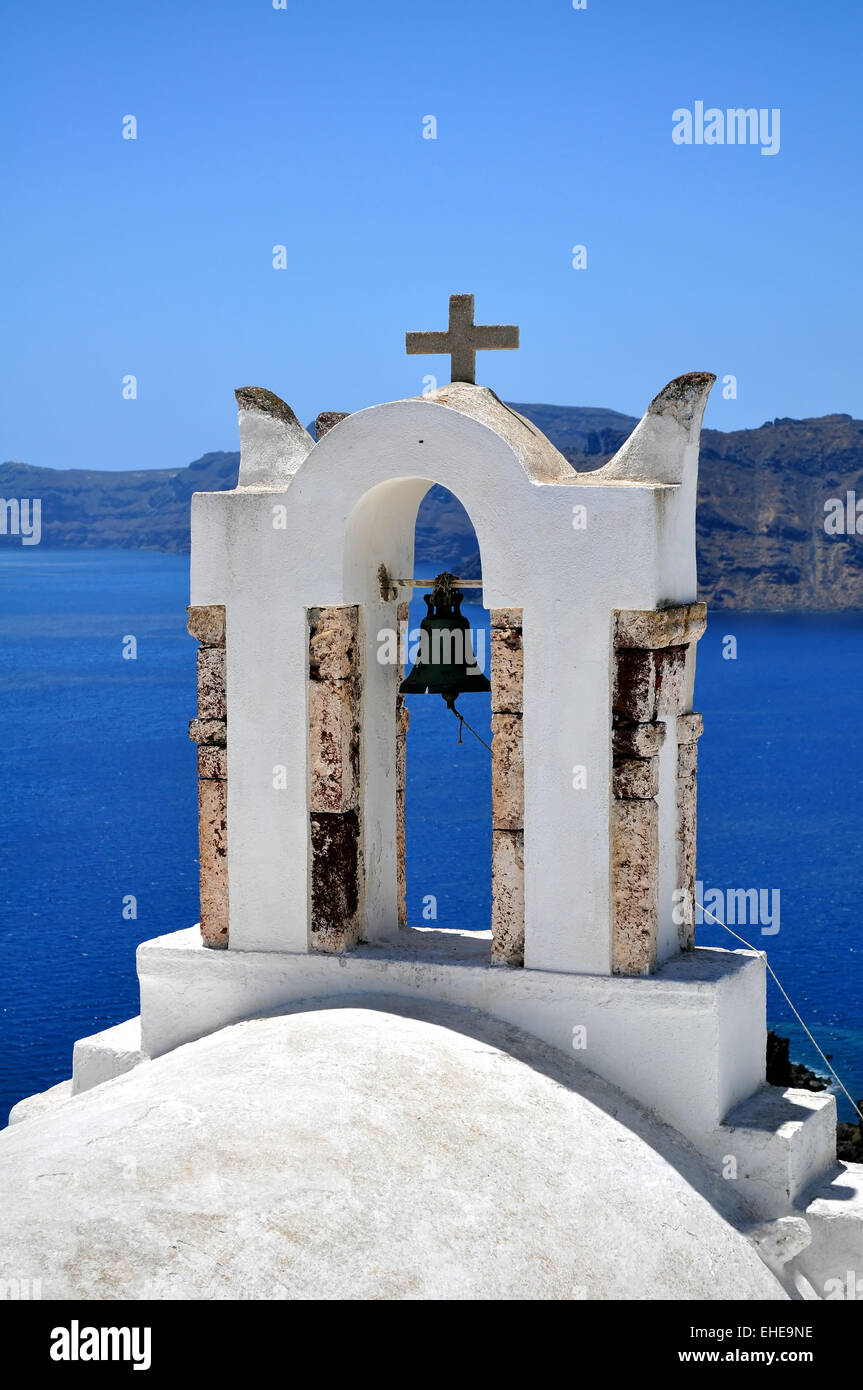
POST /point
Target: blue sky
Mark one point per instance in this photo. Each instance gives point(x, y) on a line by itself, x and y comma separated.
point(302, 127)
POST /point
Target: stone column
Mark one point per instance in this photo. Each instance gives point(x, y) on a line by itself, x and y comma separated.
point(507, 787)
point(207, 624)
point(402, 725)
point(650, 682)
point(334, 778)
point(689, 729)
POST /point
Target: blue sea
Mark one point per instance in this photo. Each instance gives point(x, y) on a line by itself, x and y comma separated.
point(98, 801)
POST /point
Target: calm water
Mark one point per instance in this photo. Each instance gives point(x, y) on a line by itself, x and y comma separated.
point(98, 801)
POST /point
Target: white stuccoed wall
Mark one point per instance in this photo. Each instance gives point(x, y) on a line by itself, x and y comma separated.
point(351, 505)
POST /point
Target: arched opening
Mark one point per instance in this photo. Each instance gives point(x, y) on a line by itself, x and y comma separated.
point(466, 851)
point(448, 820)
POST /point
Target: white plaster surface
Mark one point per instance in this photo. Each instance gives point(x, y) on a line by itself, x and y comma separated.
point(105, 1055)
point(835, 1217)
point(271, 449)
point(41, 1102)
point(783, 1141)
point(352, 1153)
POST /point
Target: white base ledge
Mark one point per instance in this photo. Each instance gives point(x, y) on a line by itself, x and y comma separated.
point(105, 1055)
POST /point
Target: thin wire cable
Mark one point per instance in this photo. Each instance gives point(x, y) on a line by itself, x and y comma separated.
point(854, 1106)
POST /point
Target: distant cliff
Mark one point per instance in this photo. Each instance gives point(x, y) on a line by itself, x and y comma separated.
point(90, 509)
point(761, 495)
point(761, 537)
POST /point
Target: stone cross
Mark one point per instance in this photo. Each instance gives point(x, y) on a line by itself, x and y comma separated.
point(463, 339)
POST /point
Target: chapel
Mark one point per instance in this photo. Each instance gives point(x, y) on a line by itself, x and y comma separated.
point(585, 1056)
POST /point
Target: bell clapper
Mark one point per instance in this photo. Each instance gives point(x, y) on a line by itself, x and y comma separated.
point(463, 724)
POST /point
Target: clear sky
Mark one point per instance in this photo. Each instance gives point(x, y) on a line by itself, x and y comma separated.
point(303, 127)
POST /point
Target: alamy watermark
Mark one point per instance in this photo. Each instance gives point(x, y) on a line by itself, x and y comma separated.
point(733, 907)
point(844, 516)
point(77, 1343)
point(850, 1288)
point(442, 646)
point(736, 125)
point(21, 516)
point(13, 1290)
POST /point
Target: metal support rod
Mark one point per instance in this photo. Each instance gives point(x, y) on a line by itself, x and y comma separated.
point(429, 583)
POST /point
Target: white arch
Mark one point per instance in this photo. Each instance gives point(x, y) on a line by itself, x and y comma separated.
point(365, 480)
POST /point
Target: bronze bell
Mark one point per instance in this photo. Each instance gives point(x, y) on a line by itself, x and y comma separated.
point(446, 664)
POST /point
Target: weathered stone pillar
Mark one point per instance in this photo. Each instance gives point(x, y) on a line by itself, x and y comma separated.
point(507, 787)
point(403, 720)
point(334, 777)
point(650, 683)
point(207, 624)
point(689, 729)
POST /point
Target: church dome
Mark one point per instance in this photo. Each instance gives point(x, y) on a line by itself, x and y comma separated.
point(364, 1153)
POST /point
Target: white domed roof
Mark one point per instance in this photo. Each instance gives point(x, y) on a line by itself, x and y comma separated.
point(356, 1153)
